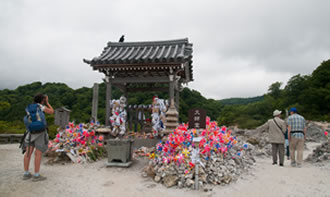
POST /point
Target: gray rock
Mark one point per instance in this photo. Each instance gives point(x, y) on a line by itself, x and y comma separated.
point(157, 179)
point(189, 176)
point(170, 180)
point(180, 184)
point(189, 183)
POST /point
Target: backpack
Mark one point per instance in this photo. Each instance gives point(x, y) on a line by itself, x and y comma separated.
point(35, 120)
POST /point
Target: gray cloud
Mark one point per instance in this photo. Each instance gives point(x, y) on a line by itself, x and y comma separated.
point(240, 47)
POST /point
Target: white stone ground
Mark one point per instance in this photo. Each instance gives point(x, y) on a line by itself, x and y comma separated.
point(96, 180)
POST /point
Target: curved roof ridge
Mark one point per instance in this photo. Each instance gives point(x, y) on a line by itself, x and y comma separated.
point(150, 43)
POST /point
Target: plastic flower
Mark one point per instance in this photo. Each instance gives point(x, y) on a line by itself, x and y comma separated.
point(245, 146)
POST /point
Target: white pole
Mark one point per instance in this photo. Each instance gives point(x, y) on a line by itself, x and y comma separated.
point(196, 170)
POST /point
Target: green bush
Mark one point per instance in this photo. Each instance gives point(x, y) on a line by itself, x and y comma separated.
point(15, 127)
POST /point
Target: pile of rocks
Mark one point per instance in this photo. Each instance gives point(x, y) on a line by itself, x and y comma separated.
point(258, 138)
point(321, 153)
point(221, 158)
point(79, 143)
point(217, 170)
point(142, 152)
point(315, 131)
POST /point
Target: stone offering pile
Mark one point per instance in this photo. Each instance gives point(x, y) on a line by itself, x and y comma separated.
point(221, 157)
point(258, 138)
point(79, 143)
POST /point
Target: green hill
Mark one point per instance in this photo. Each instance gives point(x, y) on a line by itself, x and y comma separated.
point(241, 101)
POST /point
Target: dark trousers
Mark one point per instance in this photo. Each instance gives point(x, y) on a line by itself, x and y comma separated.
point(288, 151)
point(278, 149)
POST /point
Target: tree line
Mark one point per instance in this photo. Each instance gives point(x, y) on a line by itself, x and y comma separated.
point(309, 93)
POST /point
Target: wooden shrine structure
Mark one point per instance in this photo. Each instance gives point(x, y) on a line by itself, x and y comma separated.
point(126, 64)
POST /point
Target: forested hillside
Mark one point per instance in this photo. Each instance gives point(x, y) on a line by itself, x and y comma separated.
point(241, 101)
point(309, 93)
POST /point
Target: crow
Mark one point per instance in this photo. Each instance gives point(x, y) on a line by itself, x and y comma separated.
point(122, 38)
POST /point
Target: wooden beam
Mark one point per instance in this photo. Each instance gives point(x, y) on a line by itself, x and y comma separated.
point(147, 89)
point(163, 79)
point(121, 87)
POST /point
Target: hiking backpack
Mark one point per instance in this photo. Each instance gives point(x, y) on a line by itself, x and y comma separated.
point(35, 120)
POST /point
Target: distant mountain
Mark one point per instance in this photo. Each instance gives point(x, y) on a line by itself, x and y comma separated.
point(241, 101)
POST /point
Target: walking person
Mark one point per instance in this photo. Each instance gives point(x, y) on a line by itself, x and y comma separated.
point(36, 136)
point(287, 146)
point(276, 128)
point(297, 136)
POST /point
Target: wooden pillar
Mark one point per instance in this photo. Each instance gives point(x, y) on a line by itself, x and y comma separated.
point(177, 100)
point(130, 114)
point(126, 93)
point(171, 90)
point(136, 119)
point(95, 101)
point(108, 100)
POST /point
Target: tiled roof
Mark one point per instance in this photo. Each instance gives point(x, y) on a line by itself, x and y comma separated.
point(171, 51)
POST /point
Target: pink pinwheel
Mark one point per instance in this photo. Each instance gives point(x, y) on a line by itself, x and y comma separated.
point(202, 142)
point(180, 158)
point(208, 119)
point(207, 149)
point(181, 139)
point(224, 149)
point(85, 133)
point(71, 125)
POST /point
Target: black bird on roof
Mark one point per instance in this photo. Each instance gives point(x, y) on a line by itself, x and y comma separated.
point(122, 38)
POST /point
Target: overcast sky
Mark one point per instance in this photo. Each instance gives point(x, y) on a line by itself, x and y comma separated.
point(240, 47)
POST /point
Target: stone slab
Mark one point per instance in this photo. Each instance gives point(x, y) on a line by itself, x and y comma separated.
point(119, 164)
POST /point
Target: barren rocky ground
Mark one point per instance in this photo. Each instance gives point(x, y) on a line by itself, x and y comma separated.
point(95, 179)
